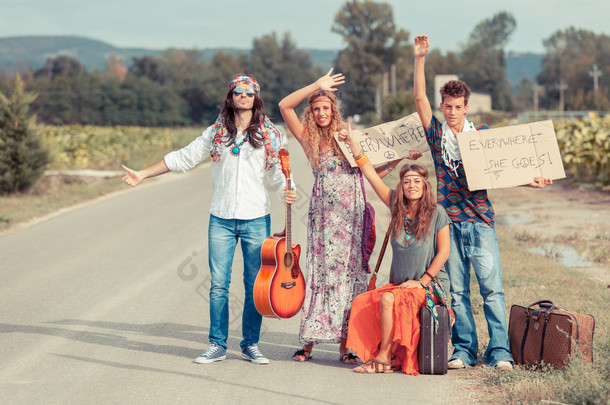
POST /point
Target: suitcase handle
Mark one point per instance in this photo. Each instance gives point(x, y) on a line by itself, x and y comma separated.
point(543, 303)
point(543, 306)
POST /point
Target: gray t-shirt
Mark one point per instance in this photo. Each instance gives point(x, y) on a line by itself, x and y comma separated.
point(410, 263)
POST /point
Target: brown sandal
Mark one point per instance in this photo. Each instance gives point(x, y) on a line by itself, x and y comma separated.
point(302, 352)
point(374, 366)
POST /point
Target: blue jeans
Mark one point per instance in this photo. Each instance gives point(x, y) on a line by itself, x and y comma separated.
point(477, 244)
point(222, 241)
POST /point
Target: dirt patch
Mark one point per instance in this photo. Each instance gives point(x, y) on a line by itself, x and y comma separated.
point(567, 224)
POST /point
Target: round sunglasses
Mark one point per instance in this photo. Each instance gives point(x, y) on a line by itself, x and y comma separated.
point(238, 92)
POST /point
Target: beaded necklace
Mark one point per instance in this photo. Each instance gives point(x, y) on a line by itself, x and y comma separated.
point(235, 149)
point(408, 230)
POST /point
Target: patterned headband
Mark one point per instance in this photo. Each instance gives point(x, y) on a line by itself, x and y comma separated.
point(247, 80)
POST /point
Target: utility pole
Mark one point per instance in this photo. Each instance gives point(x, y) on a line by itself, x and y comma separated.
point(393, 78)
point(595, 73)
point(537, 88)
point(385, 86)
point(561, 86)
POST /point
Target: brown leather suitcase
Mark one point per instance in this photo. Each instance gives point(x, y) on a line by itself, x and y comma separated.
point(545, 334)
point(433, 343)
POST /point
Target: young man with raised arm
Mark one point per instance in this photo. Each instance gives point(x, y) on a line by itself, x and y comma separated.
point(473, 236)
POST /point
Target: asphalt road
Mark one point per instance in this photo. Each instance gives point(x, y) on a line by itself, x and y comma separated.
point(108, 303)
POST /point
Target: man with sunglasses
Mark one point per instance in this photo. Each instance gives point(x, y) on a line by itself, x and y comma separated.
point(244, 147)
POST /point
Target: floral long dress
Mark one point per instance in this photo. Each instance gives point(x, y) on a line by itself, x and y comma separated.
point(334, 256)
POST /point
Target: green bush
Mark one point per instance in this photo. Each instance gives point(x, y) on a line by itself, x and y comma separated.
point(22, 157)
point(585, 148)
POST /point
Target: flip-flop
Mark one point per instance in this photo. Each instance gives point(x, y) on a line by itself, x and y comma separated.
point(347, 356)
point(302, 352)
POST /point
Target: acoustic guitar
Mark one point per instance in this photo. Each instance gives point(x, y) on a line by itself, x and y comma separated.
point(279, 289)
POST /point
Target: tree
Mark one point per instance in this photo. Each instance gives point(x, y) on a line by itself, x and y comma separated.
point(524, 95)
point(60, 66)
point(22, 157)
point(373, 45)
point(218, 73)
point(59, 84)
point(280, 68)
point(483, 60)
point(569, 61)
point(150, 67)
point(115, 68)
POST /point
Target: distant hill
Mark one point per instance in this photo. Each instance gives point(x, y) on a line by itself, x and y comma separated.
point(19, 53)
point(22, 53)
point(520, 65)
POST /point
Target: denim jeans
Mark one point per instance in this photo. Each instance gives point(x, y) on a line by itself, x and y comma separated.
point(477, 244)
point(222, 241)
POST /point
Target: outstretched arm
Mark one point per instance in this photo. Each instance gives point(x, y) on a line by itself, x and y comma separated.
point(386, 169)
point(389, 167)
point(384, 192)
point(289, 103)
point(135, 177)
point(420, 49)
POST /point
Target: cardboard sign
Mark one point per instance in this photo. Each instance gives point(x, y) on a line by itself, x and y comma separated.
point(510, 156)
point(389, 141)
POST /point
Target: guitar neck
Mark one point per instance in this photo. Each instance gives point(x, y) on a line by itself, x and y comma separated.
point(288, 220)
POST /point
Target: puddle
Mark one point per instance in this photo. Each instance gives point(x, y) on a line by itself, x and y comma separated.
point(566, 255)
point(512, 220)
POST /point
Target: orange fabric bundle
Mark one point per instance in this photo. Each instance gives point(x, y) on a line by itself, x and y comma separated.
point(364, 333)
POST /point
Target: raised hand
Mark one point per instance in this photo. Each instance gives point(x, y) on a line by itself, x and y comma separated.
point(133, 178)
point(422, 46)
point(345, 135)
point(414, 155)
point(328, 81)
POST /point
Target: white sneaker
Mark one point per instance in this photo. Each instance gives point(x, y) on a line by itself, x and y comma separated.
point(504, 365)
point(456, 364)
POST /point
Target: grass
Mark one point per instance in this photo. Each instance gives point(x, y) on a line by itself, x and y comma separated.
point(600, 252)
point(528, 278)
point(525, 236)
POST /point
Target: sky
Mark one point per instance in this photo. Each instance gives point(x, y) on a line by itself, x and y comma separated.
point(162, 24)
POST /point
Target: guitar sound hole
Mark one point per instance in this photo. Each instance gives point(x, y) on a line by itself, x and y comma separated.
point(288, 260)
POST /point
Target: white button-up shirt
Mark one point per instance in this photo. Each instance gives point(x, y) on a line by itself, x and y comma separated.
point(240, 181)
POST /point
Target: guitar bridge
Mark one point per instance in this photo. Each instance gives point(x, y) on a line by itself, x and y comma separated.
point(288, 285)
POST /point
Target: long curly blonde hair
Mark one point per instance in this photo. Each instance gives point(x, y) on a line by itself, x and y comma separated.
point(314, 135)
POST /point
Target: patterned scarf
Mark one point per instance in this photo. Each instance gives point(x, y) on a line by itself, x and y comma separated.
point(273, 138)
point(450, 149)
point(435, 287)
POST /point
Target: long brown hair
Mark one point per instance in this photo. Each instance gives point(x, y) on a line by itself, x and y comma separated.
point(314, 135)
point(426, 207)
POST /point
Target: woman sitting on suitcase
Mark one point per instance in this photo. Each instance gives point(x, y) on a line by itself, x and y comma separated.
point(384, 324)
